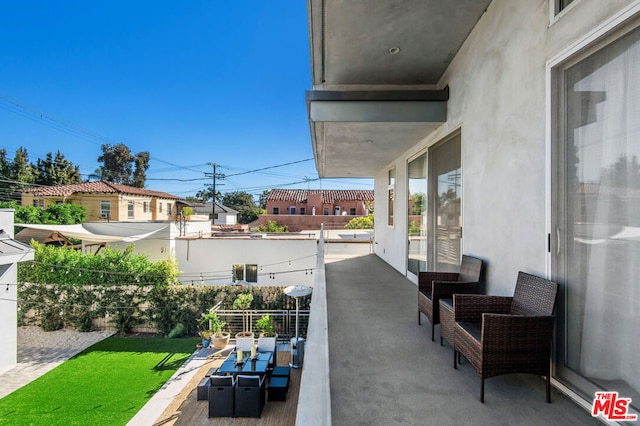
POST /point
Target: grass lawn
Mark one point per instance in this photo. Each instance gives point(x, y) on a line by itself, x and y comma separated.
point(107, 384)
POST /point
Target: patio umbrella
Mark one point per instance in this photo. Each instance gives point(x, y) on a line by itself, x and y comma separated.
point(297, 291)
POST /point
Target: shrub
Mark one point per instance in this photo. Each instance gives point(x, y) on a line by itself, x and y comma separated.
point(360, 223)
point(272, 226)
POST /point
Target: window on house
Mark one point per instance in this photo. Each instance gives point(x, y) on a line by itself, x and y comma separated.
point(325, 211)
point(169, 208)
point(336, 210)
point(276, 210)
point(352, 211)
point(238, 272)
point(145, 207)
point(38, 203)
point(160, 207)
point(292, 210)
point(130, 209)
point(303, 211)
point(105, 209)
point(391, 183)
point(252, 273)
point(562, 4)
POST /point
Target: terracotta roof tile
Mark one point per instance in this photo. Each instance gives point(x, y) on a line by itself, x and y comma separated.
point(328, 195)
point(100, 187)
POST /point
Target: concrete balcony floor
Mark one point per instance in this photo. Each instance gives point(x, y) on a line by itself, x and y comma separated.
point(386, 370)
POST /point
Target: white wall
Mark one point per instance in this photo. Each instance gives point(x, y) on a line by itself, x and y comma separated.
point(497, 85)
point(214, 257)
point(9, 295)
point(225, 219)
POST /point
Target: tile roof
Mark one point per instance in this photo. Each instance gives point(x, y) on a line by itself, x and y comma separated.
point(100, 187)
point(328, 195)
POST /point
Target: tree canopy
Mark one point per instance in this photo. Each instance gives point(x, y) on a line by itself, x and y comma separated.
point(119, 165)
point(243, 203)
point(19, 173)
point(56, 170)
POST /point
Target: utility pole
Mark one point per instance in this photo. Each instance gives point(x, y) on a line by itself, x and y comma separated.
point(214, 175)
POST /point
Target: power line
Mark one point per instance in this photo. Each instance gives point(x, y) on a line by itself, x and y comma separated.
point(270, 167)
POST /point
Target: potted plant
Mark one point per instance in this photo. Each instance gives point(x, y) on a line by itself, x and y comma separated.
point(243, 303)
point(206, 337)
point(265, 326)
point(268, 337)
point(244, 339)
point(218, 337)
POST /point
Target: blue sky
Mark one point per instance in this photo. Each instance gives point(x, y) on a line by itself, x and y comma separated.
point(192, 82)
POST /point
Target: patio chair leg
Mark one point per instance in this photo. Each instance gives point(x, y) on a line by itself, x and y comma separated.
point(548, 389)
point(482, 389)
point(441, 343)
point(455, 359)
point(433, 327)
point(419, 323)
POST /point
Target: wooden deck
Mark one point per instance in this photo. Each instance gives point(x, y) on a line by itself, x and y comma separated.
point(186, 410)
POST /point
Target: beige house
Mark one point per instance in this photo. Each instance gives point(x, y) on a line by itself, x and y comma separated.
point(107, 201)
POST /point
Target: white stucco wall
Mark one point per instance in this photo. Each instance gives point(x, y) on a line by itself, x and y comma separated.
point(9, 295)
point(498, 100)
point(225, 219)
point(214, 257)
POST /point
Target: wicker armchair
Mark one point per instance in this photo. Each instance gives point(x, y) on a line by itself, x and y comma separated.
point(502, 335)
point(433, 286)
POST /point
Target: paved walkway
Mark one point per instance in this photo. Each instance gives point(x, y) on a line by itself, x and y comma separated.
point(385, 370)
point(40, 351)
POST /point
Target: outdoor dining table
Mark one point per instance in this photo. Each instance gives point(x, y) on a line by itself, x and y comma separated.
point(257, 366)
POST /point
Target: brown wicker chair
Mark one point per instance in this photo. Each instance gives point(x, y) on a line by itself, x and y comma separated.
point(502, 335)
point(433, 286)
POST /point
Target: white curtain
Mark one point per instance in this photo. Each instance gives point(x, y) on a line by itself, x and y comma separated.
point(603, 116)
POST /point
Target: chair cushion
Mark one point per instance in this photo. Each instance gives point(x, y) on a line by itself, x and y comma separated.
point(278, 382)
point(473, 328)
point(281, 370)
point(249, 381)
point(221, 380)
point(447, 302)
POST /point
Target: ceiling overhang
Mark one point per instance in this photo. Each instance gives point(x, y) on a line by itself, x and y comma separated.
point(374, 68)
point(380, 124)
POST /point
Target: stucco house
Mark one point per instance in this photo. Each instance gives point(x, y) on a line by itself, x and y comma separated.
point(302, 209)
point(106, 201)
point(516, 121)
point(223, 215)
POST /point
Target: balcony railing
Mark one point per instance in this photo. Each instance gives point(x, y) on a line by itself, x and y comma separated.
point(314, 399)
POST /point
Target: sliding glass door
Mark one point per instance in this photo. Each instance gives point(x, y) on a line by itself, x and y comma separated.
point(595, 237)
point(417, 208)
point(445, 205)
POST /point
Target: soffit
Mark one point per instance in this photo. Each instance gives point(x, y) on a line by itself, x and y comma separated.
point(350, 52)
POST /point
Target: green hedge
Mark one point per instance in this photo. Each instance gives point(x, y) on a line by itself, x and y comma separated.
point(53, 306)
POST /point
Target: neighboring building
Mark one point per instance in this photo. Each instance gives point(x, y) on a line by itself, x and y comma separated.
point(302, 209)
point(11, 253)
point(247, 259)
point(223, 215)
point(518, 123)
point(106, 201)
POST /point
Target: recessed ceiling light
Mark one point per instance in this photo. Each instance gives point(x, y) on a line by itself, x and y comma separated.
point(394, 50)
